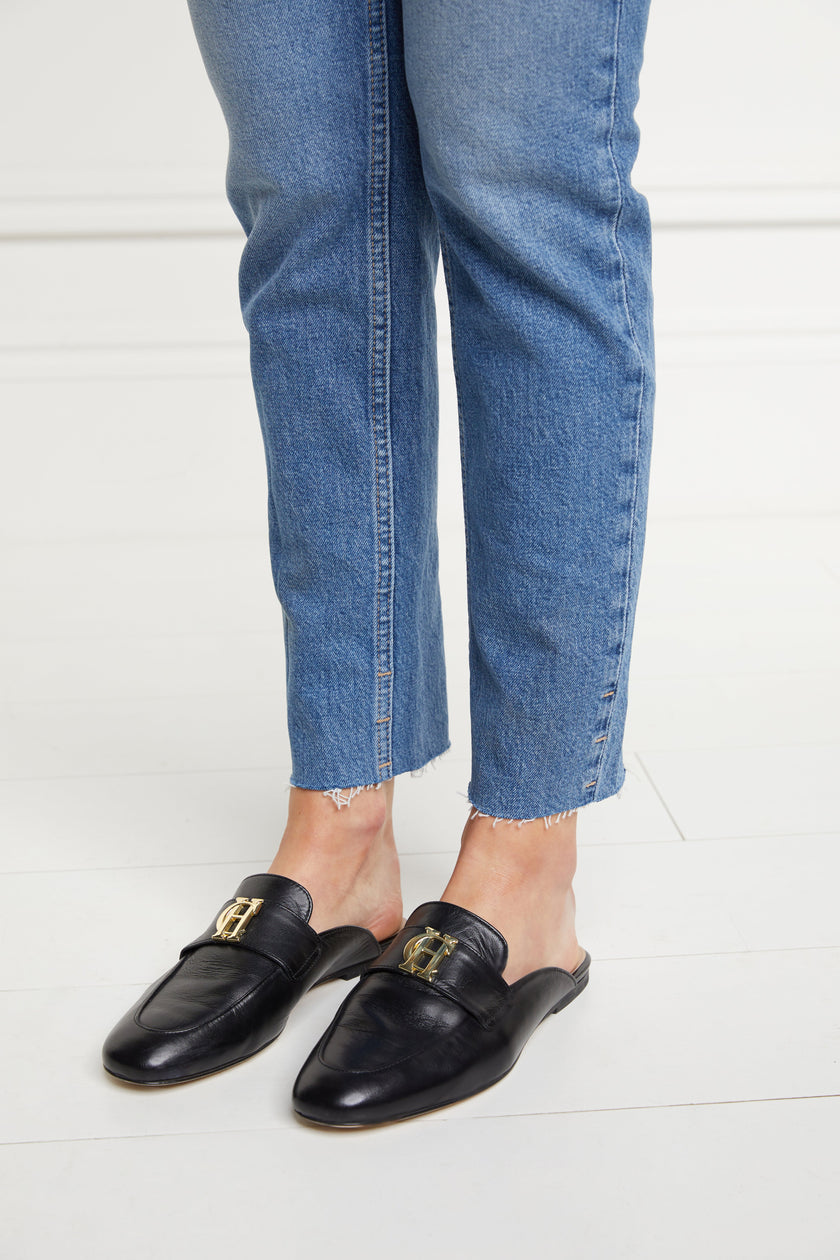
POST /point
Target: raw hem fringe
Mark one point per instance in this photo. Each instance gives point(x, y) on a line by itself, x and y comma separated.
point(343, 796)
point(548, 819)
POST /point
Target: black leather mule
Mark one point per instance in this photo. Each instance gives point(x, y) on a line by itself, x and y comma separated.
point(431, 1022)
point(233, 987)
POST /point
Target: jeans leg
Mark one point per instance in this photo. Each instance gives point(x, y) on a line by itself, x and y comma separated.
point(337, 292)
point(527, 137)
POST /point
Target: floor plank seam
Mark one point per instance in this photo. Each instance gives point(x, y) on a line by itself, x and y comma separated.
point(426, 1120)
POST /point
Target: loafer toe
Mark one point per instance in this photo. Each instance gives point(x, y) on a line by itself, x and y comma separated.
point(432, 1022)
point(361, 1073)
point(233, 987)
point(141, 1056)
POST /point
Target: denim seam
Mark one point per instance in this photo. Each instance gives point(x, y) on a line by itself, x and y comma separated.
point(642, 381)
point(380, 381)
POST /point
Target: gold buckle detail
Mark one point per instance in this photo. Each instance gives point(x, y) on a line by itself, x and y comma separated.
point(431, 945)
point(233, 920)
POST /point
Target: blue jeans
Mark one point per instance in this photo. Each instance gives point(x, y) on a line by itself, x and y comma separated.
point(368, 137)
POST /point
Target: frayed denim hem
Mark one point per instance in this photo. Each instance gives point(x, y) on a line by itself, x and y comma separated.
point(548, 819)
point(342, 796)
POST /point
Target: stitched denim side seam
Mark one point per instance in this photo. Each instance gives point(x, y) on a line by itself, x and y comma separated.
point(604, 738)
point(380, 349)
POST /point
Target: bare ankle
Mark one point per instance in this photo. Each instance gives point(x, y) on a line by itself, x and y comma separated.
point(520, 880)
point(522, 854)
point(348, 810)
point(345, 856)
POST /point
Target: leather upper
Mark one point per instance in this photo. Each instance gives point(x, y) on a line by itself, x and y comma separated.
point(401, 1044)
point(472, 975)
point(225, 999)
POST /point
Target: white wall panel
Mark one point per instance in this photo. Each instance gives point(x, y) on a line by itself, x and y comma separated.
point(115, 127)
point(118, 251)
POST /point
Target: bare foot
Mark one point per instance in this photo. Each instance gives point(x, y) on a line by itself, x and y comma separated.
point(520, 880)
point(346, 858)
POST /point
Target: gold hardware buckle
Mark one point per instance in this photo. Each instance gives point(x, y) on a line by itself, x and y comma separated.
point(431, 945)
point(233, 920)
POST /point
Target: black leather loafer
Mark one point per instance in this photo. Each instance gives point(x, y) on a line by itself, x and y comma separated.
point(233, 988)
point(431, 1022)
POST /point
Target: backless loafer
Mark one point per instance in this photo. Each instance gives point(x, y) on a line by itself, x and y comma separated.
point(431, 1022)
point(233, 987)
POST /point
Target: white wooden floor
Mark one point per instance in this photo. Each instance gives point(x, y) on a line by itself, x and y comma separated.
point(686, 1106)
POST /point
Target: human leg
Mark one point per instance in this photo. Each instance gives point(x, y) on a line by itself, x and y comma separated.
point(527, 137)
point(336, 286)
point(337, 292)
point(547, 255)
